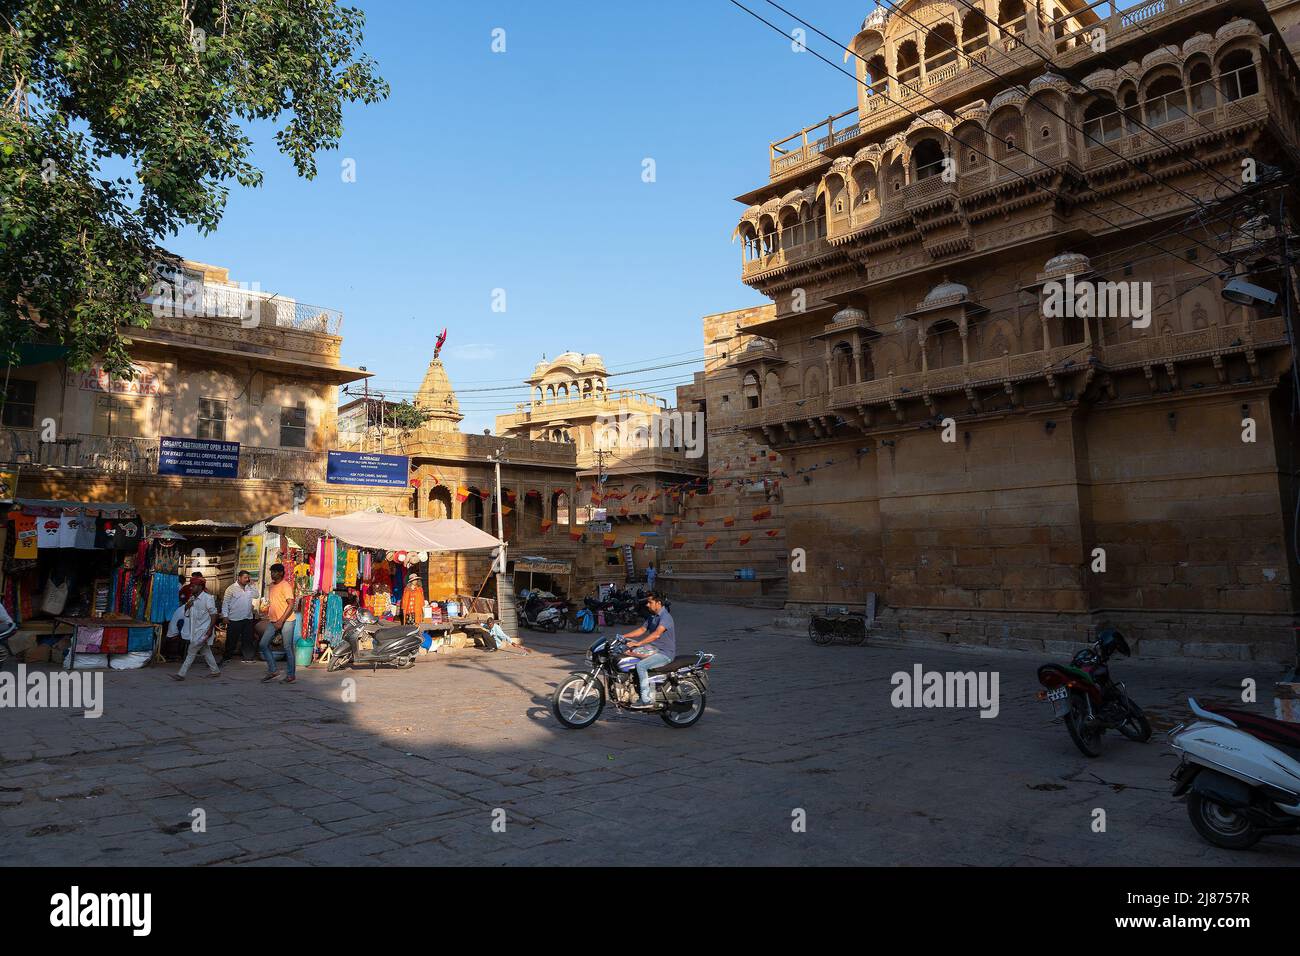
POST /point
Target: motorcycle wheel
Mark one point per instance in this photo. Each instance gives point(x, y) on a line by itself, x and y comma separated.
point(688, 690)
point(577, 712)
point(1220, 825)
point(817, 635)
point(405, 661)
point(339, 660)
point(1137, 727)
point(1076, 724)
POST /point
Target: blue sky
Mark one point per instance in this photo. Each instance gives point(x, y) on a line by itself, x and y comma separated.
point(522, 171)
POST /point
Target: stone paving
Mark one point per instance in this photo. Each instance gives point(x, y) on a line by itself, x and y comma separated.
point(412, 772)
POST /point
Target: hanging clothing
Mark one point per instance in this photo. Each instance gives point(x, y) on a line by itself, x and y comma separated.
point(334, 617)
point(350, 569)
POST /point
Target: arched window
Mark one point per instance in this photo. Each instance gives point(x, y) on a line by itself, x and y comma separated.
point(772, 388)
point(908, 66)
point(1166, 101)
point(877, 80)
point(533, 510)
point(974, 32)
point(864, 182)
point(1130, 111)
point(1011, 17)
point(1008, 134)
point(1101, 121)
point(768, 240)
point(845, 371)
point(792, 233)
point(560, 507)
point(751, 391)
point(471, 509)
point(1201, 87)
point(1238, 77)
point(749, 246)
point(819, 221)
point(927, 160)
point(970, 148)
point(440, 502)
point(940, 46)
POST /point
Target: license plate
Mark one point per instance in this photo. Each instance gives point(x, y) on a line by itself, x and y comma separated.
point(1060, 698)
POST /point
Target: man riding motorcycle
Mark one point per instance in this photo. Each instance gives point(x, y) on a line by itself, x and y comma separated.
point(658, 644)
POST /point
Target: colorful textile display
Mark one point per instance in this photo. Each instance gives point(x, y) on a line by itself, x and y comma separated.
point(334, 617)
point(89, 640)
point(164, 597)
point(139, 639)
point(350, 569)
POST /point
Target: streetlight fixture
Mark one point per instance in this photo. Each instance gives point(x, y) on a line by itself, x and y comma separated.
point(1241, 292)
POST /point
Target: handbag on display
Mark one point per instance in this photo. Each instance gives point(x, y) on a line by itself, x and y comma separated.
point(55, 597)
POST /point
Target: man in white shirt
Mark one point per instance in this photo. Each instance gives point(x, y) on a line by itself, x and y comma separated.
point(237, 609)
point(200, 621)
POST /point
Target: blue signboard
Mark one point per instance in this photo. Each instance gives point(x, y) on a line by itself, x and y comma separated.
point(198, 458)
point(364, 468)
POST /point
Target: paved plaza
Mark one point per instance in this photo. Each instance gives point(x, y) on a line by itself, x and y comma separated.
point(419, 767)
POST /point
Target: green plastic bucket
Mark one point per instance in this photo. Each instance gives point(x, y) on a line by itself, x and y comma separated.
point(302, 653)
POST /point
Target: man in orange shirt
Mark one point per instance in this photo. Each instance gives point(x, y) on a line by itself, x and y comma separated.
point(280, 619)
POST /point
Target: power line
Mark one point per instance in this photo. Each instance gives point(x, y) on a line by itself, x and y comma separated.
point(853, 76)
point(1001, 76)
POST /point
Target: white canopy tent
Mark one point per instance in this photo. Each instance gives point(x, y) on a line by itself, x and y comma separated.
point(371, 529)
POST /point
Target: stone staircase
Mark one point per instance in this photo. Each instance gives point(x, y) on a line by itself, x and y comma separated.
point(696, 572)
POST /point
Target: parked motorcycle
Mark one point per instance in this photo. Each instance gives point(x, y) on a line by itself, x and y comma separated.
point(1240, 773)
point(538, 615)
point(391, 644)
point(1083, 694)
point(680, 686)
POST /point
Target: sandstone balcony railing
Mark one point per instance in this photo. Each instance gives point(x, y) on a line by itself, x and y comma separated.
point(924, 192)
point(796, 150)
point(589, 403)
point(779, 412)
point(122, 455)
point(782, 256)
point(1147, 350)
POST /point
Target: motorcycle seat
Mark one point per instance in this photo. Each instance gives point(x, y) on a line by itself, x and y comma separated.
point(1276, 733)
point(677, 663)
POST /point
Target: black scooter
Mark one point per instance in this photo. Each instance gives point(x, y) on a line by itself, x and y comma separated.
point(392, 644)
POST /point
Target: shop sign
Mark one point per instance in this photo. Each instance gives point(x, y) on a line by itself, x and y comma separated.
point(599, 527)
point(142, 381)
point(362, 468)
point(250, 556)
point(198, 458)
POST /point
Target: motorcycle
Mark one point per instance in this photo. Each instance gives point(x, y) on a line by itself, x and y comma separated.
point(1083, 694)
point(680, 687)
point(393, 644)
point(1240, 773)
point(538, 615)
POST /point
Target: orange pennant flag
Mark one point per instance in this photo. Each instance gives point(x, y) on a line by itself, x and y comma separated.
point(575, 535)
point(728, 521)
point(658, 519)
point(608, 540)
point(546, 524)
point(462, 494)
point(679, 542)
point(639, 544)
point(762, 513)
point(772, 532)
point(746, 538)
point(709, 542)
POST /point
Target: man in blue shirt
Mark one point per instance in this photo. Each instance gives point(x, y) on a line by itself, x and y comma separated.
point(658, 644)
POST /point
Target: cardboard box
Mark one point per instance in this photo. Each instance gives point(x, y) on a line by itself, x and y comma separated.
point(19, 643)
point(37, 654)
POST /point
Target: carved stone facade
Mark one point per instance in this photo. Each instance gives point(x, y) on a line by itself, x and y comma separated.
point(950, 438)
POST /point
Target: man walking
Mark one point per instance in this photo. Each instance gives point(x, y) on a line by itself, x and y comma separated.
point(280, 619)
point(657, 647)
point(237, 609)
point(200, 619)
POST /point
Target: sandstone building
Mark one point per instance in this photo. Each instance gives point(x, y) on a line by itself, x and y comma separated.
point(949, 440)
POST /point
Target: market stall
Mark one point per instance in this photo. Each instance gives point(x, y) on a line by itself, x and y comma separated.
point(81, 578)
point(542, 573)
point(375, 561)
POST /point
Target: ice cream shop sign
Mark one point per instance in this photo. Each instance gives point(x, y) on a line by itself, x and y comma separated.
point(142, 381)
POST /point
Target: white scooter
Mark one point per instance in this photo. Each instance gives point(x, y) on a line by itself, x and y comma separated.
point(1240, 773)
